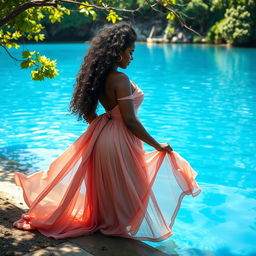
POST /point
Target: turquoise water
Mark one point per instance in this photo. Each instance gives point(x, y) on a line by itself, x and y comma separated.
point(200, 99)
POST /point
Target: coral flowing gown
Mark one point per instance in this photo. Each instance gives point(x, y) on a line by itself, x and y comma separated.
point(106, 181)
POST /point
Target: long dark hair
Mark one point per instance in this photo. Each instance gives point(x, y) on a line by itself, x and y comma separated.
point(100, 59)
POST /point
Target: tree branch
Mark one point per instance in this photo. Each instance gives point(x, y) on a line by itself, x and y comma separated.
point(23, 8)
point(14, 58)
point(54, 3)
point(103, 7)
point(152, 6)
point(180, 19)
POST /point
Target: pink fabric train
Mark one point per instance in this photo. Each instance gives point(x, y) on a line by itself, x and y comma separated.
point(106, 181)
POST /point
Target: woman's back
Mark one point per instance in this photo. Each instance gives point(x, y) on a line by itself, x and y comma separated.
point(107, 97)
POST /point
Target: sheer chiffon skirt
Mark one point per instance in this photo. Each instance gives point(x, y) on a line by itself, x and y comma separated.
point(106, 181)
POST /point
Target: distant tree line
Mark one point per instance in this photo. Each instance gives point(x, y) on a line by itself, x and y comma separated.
point(223, 21)
point(218, 21)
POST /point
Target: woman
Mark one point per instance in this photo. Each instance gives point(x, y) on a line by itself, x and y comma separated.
point(105, 180)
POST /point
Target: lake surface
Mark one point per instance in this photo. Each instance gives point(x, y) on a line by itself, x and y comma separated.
point(200, 99)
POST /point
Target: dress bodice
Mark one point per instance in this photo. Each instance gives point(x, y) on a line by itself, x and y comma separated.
point(137, 98)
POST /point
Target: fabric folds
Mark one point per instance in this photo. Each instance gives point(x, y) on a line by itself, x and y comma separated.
point(106, 181)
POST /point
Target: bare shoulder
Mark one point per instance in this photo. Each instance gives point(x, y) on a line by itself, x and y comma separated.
point(120, 82)
point(116, 77)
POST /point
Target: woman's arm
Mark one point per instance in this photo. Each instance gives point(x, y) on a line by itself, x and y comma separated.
point(123, 88)
point(139, 131)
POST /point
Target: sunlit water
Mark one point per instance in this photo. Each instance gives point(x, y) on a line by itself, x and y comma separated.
point(200, 99)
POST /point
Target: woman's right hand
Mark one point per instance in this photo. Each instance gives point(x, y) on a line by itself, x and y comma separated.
point(164, 147)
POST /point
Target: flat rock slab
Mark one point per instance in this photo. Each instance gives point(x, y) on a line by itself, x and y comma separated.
point(68, 249)
point(102, 245)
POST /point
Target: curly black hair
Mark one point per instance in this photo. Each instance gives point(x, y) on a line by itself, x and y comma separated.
point(100, 60)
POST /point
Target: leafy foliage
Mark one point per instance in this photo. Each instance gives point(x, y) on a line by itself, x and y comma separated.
point(45, 67)
point(230, 21)
point(237, 26)
point(88, 10)
point(197, 12)
point(113, 16)
point(170, 28)
point(215, 35)
point(28, 25)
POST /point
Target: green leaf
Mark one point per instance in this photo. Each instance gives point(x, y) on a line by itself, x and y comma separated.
point(26, 54)
point(113, 16)
point(24, 64)
point(170, 16)
point(37, 75)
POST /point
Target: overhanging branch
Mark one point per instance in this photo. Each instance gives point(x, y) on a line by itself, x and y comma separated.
point(37, 3)
point(23, 8)
point(100, 7)
point(11, 56)
point(179, 18)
